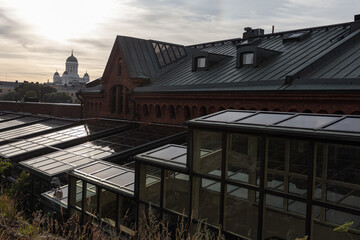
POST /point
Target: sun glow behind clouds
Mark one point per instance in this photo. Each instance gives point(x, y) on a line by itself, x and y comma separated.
point(63, 20)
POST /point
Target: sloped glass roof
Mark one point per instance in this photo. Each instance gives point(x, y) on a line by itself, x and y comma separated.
point(306, 123)
point(171, 154)
point(6, 116)
point(167, 53)
point(19, 132)
point(112, 145)
point(19, 121)
point(47, 140)
point(111, 175)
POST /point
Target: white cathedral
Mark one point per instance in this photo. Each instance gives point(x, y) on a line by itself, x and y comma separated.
point(70, 75)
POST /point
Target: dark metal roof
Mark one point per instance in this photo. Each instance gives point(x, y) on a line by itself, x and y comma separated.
point(324, 126)
point(140, 57)
point(295, 61)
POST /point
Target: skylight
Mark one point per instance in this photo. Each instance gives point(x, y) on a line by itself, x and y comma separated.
point(168, 53)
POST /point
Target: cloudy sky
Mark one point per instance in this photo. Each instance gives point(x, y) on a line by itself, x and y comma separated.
point(37, 36)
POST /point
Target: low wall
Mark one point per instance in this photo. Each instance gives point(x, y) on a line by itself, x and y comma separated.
point(53, 109)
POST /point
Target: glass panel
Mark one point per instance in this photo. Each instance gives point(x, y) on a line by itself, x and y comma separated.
point(323, 230)
point(206, 200)
point(348, 124)
point(276, 153)
point(76, 192)
point(200, 62)
point(240, 202)
point(308, 121)
point(108, 207)
point(280, 224)
point(265, 118)
point(93, 167)
point(108, 173)
point(168, 152)
point(247, 58)
point(297, 207)
point(344, 163)
point(122, 179)
point(299, 157)
point(242, 158)
point(228, 116)
point(150, 184)
point(208, 152)
point(91, 199)
point(176, 190)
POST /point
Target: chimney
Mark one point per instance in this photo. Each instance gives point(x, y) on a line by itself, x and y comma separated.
point(356, 17)
point(251, 33)
point(356, 24)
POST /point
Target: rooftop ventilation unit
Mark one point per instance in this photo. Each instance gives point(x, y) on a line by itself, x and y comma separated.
point(296, 37)
point(251, 33)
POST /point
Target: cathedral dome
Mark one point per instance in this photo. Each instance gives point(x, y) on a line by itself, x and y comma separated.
point(56, 74)
point(65, 72)
point(71, 58)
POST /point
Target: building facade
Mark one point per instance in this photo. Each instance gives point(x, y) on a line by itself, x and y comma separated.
point(70, 75)
point(307, 70)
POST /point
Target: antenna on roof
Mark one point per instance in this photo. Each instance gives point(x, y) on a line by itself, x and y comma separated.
point(273, 29)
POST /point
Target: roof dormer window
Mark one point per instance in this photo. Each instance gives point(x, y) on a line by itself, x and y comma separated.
point(248, 58)
point(200, 62)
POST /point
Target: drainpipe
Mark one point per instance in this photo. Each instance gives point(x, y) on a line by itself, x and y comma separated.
point(81, 103)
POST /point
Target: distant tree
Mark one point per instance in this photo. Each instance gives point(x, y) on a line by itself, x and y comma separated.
point(57, 97)
point(30, 94)
point(11, 96)
point(40, 89)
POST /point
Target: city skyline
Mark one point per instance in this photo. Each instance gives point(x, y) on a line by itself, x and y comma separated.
point(38, 36)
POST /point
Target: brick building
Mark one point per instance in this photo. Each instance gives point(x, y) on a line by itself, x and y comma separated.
point(308, 70)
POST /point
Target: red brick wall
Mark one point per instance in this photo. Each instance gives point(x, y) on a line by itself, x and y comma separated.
point(53, 109)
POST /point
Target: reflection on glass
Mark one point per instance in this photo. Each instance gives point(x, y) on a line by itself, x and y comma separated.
point(240, 202)
point(242, 158)
point(76, 193)
point(150, 184)
point(344, 163)
point(91, 198)
point(207, 152)
point(206, 200)
point(176, 192)
point(299, 157)
point(323, 230)
point(276, 153)
point(107, 207)
point(280, 224)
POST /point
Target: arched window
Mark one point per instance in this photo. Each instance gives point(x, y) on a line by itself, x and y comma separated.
point(339, 112)
point(113, 99)
point(203, 111)
point(172, 112)
point(145, 110)
point(158, 111)
point(187, 114)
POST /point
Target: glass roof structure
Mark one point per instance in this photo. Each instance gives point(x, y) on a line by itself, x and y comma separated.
point(46, 140)
point(6, 116)
point(18, 133)
point(113, 176)
point(70, 158)
point(19, 121)
point(171, 154)
point(63, 201)
point(168, 53)
point(320, 125)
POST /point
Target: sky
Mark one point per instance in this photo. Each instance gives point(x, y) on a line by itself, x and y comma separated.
point(37, 36)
